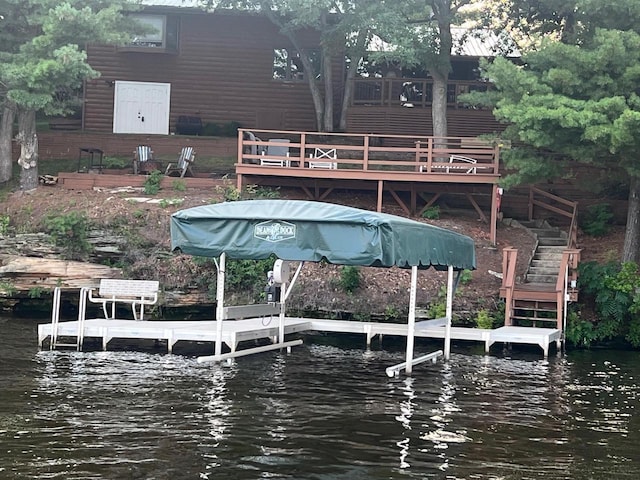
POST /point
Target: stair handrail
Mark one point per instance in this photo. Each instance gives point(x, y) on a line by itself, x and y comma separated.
point(509, 259)
point(566, 284)
point(571, 212)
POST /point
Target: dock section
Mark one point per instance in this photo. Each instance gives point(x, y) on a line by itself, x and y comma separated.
point(237, 331)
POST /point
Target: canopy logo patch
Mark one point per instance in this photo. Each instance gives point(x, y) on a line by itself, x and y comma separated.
point(274, 231)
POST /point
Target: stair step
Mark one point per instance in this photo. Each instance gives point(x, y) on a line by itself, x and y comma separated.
point(543, 270)
point(552, 241)
point(74, 345)
point(535, 278)
point(543, 262)
point(548, 232)
point(546, 307)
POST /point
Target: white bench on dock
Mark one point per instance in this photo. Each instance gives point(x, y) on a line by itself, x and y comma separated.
point(136, 293)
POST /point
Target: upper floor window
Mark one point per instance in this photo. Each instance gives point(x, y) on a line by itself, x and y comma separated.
point(163, 35)
point(287, 64)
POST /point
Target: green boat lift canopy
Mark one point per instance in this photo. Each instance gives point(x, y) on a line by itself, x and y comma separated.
point(303, 231)
point(298, 230)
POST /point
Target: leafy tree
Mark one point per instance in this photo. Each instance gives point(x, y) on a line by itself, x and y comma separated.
point(344, 29)
point(420, 30)
point(43, 65)
point(575, 103)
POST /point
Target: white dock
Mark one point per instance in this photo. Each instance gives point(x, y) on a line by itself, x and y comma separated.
point(237, 331)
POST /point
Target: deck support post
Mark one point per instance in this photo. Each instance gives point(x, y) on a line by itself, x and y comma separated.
point(449, 313)
point(380, 189)
point(220, 302)
point(412, 319)
point(494, 214)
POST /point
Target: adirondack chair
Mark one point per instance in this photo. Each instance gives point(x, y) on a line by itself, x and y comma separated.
point(183, 164)
point(278, 147)
point(143, 161)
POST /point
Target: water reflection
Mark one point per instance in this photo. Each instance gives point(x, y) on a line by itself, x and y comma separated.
point(323, 412)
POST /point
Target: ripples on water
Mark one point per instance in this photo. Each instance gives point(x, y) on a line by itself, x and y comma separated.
point(323, 412)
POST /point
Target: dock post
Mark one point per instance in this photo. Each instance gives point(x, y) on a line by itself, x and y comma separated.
point(449, 314)
point(412, 319)
point(220, 302)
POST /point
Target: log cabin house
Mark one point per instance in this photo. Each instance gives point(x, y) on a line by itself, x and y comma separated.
point(237, 68)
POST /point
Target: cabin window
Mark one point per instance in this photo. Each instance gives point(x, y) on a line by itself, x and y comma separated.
point(287, 64)
point(163, 38)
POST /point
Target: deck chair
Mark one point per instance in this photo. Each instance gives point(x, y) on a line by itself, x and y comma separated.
point(143, 161)
point(323, 158)
point(250, 149)
point(183, 164)
point(278, 147)
point(462, 168)
point(448, 168)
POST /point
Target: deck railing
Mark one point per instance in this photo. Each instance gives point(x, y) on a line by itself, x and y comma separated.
point(368, 152)
point(409, 92)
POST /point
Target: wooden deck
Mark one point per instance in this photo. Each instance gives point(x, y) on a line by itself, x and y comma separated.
point(415, 171)
point(237, 331)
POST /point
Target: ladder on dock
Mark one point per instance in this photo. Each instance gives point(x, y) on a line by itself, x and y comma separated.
point(55, 342)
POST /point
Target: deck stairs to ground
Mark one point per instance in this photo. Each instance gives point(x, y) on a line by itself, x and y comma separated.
point(540, 299)
point(535, 301)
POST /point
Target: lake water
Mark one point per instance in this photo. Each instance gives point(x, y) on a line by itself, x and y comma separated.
point(326, 411)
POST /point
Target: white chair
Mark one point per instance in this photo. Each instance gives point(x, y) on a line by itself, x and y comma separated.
point(183, 164)
point(325, 159)
point(143, 161)
point(449, 168)
point(276, 149)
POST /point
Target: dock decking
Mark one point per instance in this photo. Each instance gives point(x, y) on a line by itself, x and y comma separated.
point(236, 331)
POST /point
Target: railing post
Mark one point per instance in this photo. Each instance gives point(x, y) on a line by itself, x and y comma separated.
point(303, 142)
point(530, 203)
point(365, 154)
point(509, 258)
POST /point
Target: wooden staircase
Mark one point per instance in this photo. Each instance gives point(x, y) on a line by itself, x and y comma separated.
point(540, 300)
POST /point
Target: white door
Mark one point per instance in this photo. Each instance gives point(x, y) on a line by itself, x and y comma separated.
point(141, 107)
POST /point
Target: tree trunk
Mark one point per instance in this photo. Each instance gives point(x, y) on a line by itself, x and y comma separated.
point(354, 59)
point(28, 141)
point(631, 249)
point(439, 104)
point(327, 78)
point(346, 97)
point(6, 136)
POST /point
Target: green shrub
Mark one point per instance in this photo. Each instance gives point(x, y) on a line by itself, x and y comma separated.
point(115, 162)
point(70, 232)
point(179, 185)
point(349, 278)
point(437, 309)
point(432, 213)
point(596, 220)
point(484, 320)
point(36, 292)
point(152, 183)
point(4, 224)
point(465, 277)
